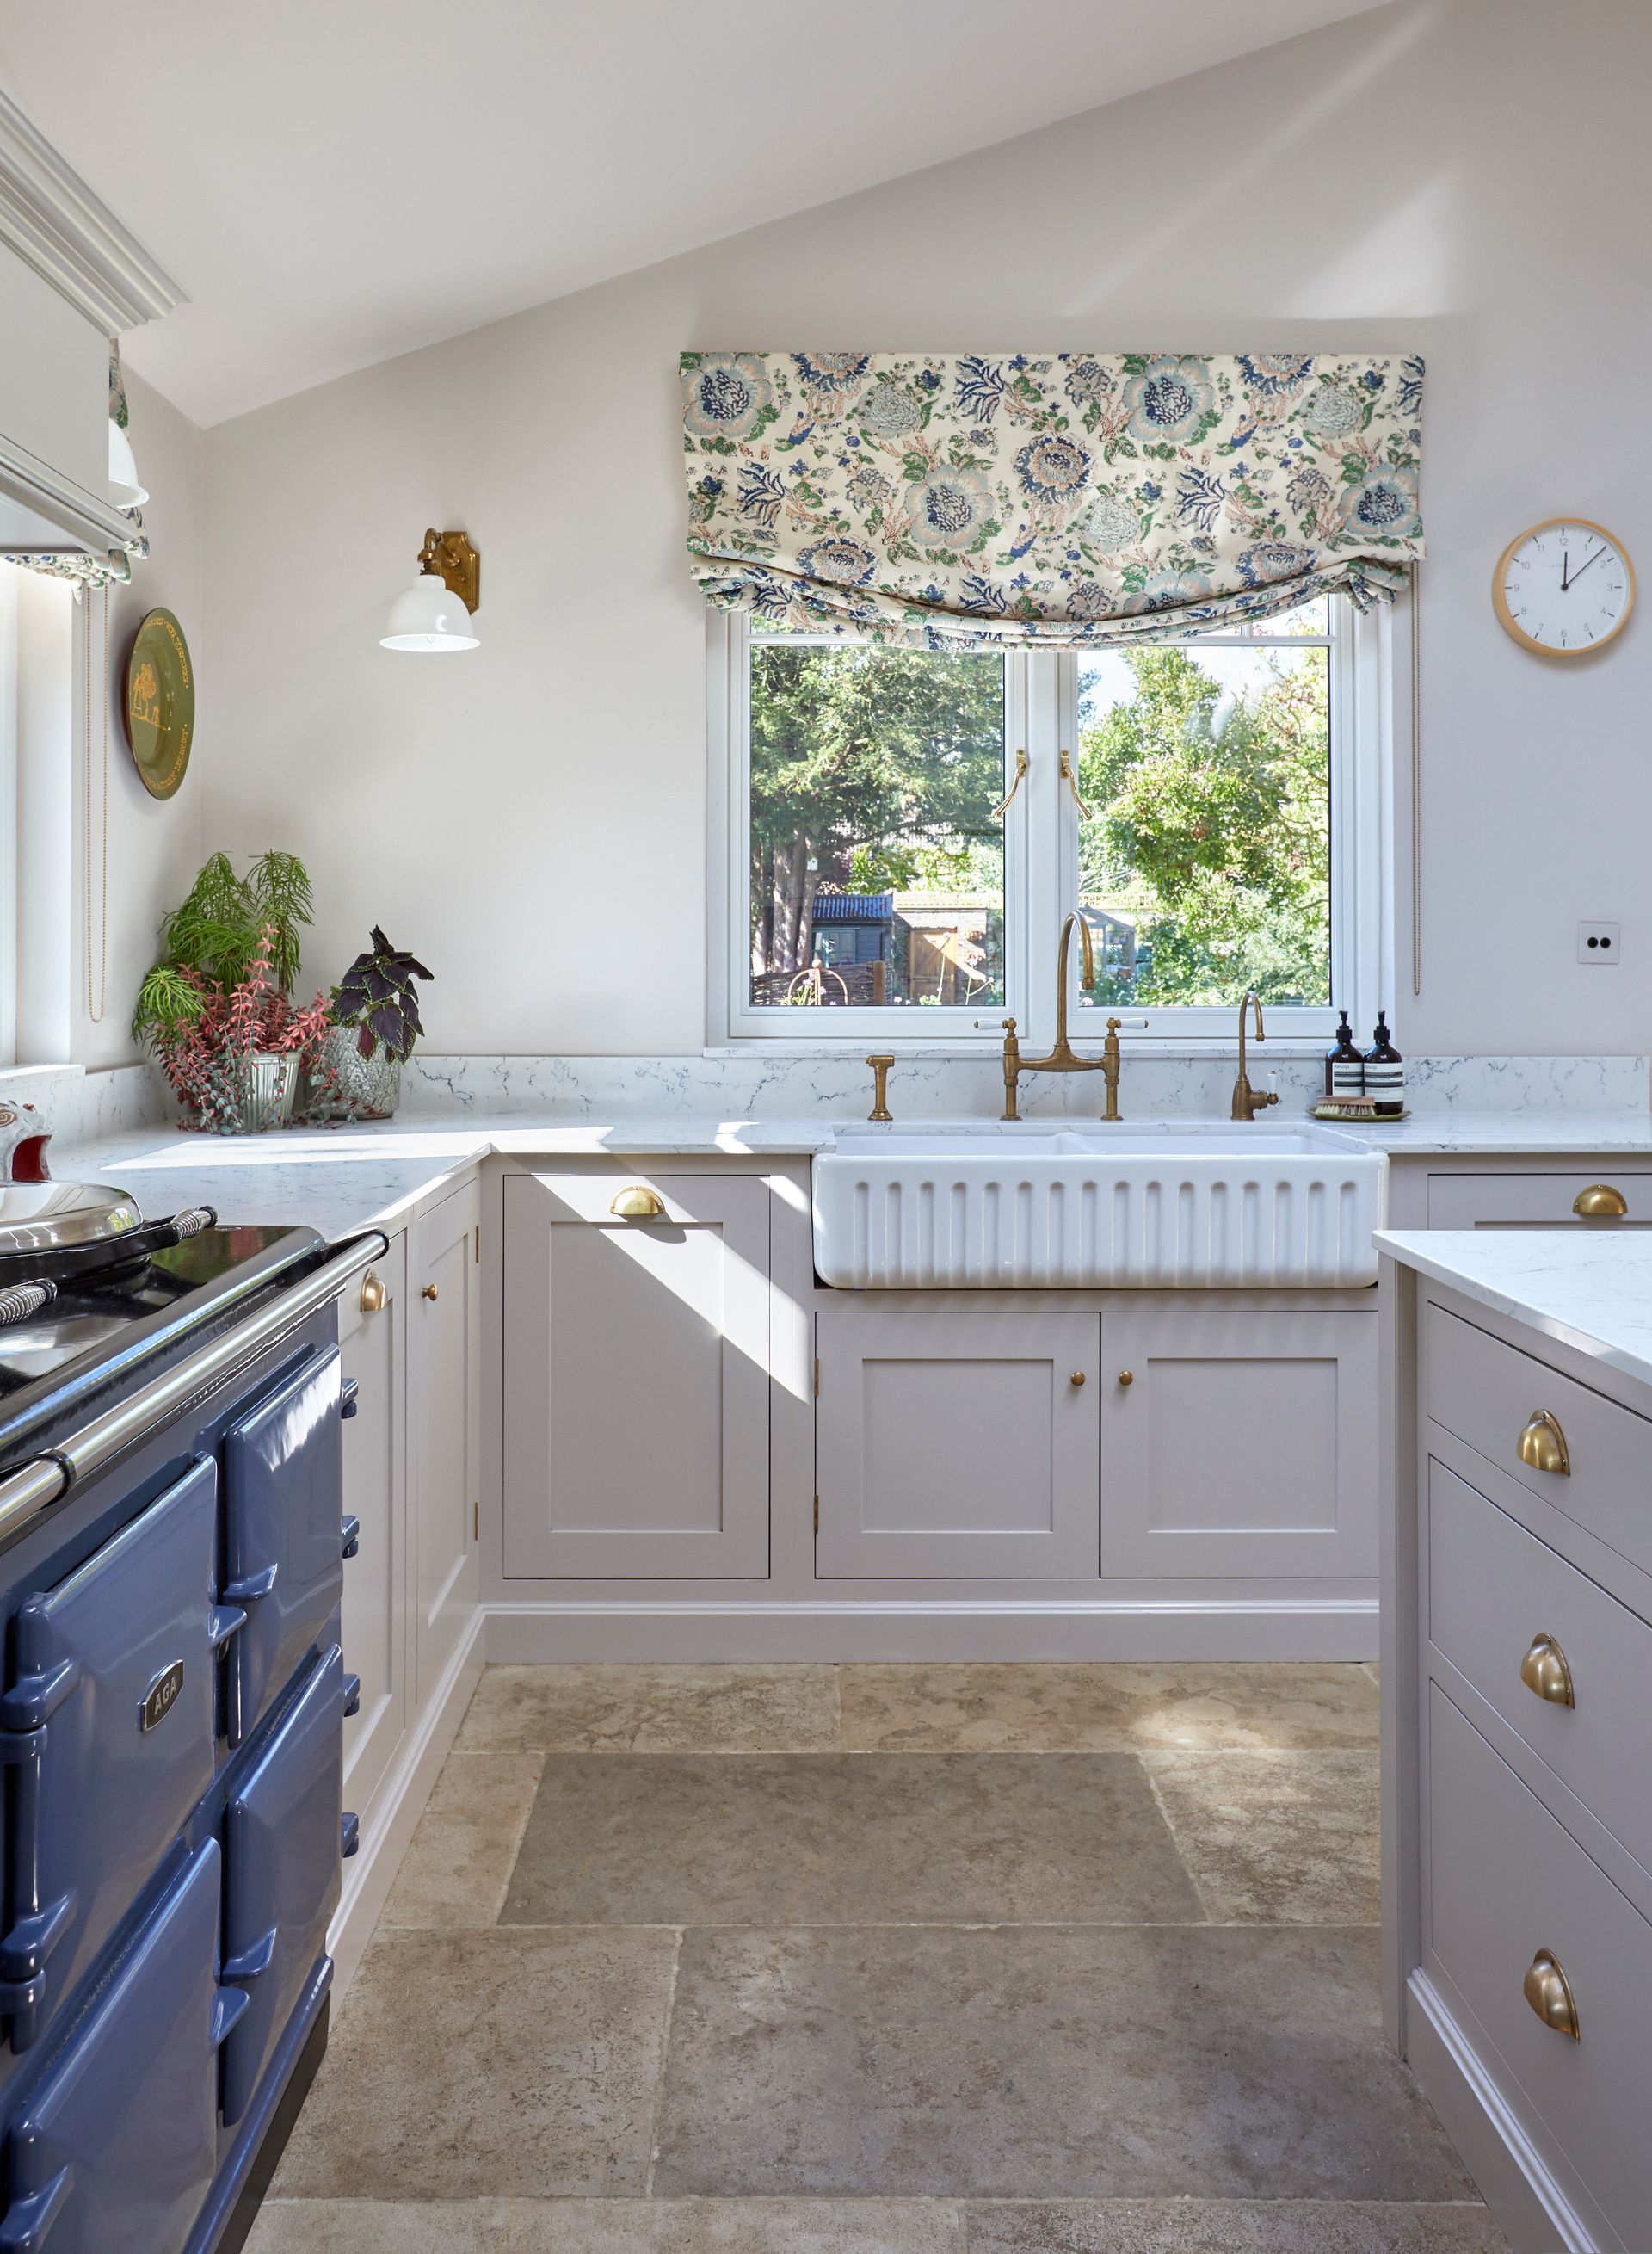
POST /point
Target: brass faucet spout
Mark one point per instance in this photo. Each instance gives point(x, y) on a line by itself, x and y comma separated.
point(1062, 1057)
point(1248, 1101)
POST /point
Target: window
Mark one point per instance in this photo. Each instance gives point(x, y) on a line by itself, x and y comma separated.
point(1213, 807)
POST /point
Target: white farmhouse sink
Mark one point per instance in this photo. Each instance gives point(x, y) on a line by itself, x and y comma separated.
point(1183, 1205)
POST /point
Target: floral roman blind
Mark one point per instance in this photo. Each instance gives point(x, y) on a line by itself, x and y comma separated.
point(1061, 499)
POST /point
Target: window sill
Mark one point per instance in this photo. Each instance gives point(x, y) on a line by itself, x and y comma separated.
point(1275, 1049)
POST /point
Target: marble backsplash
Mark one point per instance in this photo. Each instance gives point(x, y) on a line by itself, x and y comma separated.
point(84, 1107)
point(758, 1086)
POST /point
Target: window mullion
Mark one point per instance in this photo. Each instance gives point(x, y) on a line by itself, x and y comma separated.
point(1046, 834)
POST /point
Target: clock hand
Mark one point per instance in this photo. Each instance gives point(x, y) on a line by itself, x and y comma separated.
point(1582, 567)
point(1565, 570)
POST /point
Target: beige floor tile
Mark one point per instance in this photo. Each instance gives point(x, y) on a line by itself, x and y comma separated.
point(770, 1839)
point(458, 1863)
point(1215, 2226)
point(1026, 2061)
point(733, 2226)
point(1011, 1706)
point(1277, 1838)
point(471, 2064)
point(649, 1709)
point(372, 2226)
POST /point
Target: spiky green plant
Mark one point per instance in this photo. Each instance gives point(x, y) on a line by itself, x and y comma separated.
point(217, 930)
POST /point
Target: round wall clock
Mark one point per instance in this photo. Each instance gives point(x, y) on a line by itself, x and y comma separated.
point(159, 703)
point(1564, 587)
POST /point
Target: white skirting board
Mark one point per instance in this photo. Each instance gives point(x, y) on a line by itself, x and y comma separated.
point(1536, 2214)
point(533, 1632)
point(389, 1817)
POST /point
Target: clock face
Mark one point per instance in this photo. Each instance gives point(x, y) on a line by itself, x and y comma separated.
point(1564, 588)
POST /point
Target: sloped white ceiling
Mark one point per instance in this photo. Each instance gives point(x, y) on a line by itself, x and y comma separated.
point(336, 181)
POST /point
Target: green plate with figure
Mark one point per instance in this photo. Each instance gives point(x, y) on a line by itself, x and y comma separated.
point(160, 703)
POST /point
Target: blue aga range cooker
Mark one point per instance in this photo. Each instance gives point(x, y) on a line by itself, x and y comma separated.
point(172, 1556)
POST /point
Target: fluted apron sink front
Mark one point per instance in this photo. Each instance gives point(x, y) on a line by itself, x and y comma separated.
point(1160, 1207)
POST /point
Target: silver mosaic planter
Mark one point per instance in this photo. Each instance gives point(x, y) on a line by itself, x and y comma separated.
point(261, 1093)
point(347, 1085)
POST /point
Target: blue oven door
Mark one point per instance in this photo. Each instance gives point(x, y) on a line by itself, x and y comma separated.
point(283, 1506)
point(281, 1857)
point(114, 2152)
point(109, 1727)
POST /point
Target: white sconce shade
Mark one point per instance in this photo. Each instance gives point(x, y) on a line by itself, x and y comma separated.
point(429, 617)
point(126, 491)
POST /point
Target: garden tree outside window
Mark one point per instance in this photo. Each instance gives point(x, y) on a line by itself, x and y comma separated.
point(1219, 826)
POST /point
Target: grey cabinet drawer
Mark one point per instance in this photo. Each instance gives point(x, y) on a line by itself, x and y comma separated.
point(1536, 1201)
point(1493, 1588)
point(1486, 1393)
point(1507, 1881)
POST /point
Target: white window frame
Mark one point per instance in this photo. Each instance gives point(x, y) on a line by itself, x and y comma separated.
point(1040, 859)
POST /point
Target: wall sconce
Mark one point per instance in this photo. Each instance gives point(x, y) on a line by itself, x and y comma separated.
point(434, 612)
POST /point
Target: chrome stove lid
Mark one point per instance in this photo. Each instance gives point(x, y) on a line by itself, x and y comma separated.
point(63, 1216)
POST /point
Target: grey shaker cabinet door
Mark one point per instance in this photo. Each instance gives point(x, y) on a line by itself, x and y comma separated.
point(636, 1378)
point(1243, 1443)
point(956, 1445)
point(444, 1376)
point(371, 1339)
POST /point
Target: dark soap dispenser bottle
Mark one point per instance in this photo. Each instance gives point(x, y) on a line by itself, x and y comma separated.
point(1344, 1066)
point(1385, 1072)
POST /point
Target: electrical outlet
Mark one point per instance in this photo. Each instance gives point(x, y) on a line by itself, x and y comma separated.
point(1597, 942)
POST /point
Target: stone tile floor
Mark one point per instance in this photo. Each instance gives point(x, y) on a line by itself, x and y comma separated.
point(967, 1959)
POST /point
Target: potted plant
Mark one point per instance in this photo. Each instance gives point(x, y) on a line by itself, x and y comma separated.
point(216, 1009)
point(376, 1023)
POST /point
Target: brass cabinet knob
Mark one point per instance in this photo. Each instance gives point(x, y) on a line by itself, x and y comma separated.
point(374, 1295)
point(1543, 1444)
point(1127, 1378)
point(1600, 1202)
point(1077, 1378)
point(1549, 1992)
point(428, 1291)
point(638, 1202)
point(1545, 1670)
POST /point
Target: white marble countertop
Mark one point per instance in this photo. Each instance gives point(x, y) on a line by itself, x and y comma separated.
point(1590, 1289)
point(344, 1178)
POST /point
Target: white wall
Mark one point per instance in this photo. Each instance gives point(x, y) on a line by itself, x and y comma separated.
point(154, 844)
point(1469, 179)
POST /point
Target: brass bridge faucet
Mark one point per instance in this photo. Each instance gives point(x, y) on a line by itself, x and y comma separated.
point(1061, 1058)
point(1248, 1101)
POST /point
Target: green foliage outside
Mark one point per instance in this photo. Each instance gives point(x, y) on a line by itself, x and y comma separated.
point(879, 766)
point(1210, 831)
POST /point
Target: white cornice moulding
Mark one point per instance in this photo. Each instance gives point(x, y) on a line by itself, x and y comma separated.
point(72, 239)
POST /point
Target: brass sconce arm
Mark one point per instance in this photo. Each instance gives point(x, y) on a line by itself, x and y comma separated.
point(458, 565)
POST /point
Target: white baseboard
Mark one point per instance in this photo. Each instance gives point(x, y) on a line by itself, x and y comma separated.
point(389, 1817)
point(1536, 2214)
point(534, 1632)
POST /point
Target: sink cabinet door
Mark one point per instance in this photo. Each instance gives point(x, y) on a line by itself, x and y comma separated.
point(1245, 1443)
point(636, 1377)
point(444, 1378)
point(956, 1445)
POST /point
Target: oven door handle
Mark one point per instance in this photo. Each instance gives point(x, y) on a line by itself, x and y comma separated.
point(27, 1492)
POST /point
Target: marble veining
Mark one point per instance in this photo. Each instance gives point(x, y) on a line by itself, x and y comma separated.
point(1588, 1290)
point(757, 1086)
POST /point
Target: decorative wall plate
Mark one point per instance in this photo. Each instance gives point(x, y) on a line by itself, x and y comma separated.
point(159, 703)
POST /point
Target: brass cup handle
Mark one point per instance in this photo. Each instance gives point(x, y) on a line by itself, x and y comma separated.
point(638, 1202)
point(1544, 1671)
point(1543, 1444)
point(428, 1292)
point(1600, 1202)
point(375, 1295)
point(1549, 1992)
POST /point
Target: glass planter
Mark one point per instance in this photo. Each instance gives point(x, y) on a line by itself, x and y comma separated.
point(347, 1085)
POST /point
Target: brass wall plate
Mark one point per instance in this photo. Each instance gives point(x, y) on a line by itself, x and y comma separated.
point(459, 565)
point(158, 703)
